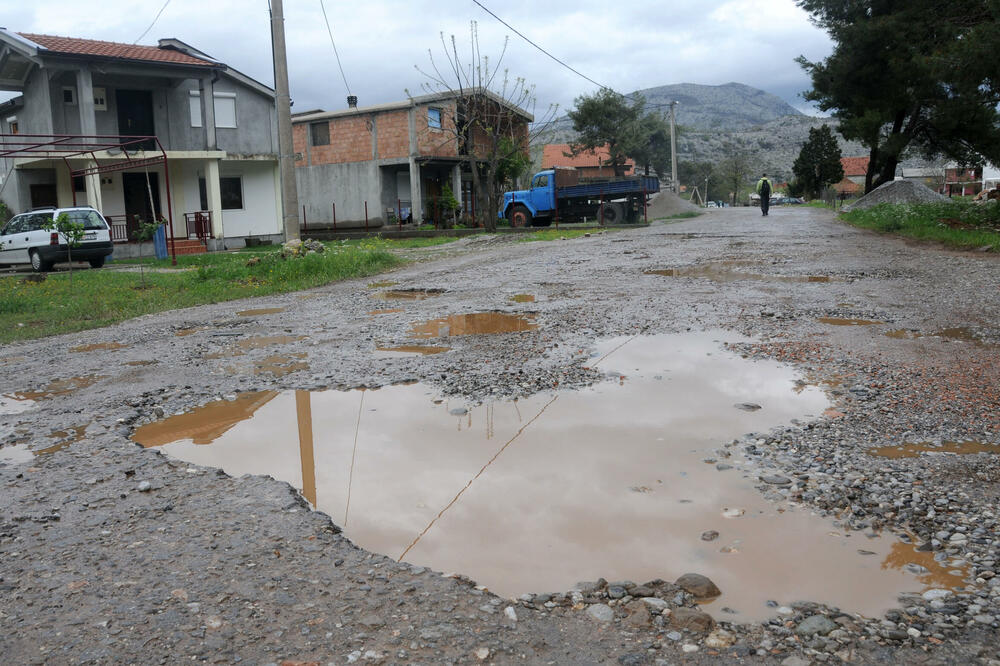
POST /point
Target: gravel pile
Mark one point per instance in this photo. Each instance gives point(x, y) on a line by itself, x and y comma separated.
point(666, 204)
point(897, 192)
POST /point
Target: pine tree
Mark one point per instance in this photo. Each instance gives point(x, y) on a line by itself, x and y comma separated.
point(818, 164)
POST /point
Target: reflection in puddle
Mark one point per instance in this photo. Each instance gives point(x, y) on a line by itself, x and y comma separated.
point(720, 272)
point(930, 572)
point(16, 455)
point(915, 449)
point(99, 346)
point(259, 311)
point(407, 294)
point(838, 321)
point(279, 366)
point(409, 350)
point(523, 298)
point(459, 488)
point(385, 311)
point(477, 323)
point(21, 400)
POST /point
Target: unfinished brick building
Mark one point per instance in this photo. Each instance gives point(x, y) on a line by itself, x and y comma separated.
point(396, 158)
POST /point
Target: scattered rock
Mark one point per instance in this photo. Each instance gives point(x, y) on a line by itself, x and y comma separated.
point(700, 587)
point(691, 619)
point(747, 406)
point(815, 624)
point(710, 535)
point(601, 612)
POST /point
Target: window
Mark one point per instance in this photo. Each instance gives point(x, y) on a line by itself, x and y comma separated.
point(541, 181)
point(320, 133)
point(434, 118)
point(12, 124)
point(79, 184)
point(225, 109)
point(69, 95)
point(230, 189)
point(100, 99)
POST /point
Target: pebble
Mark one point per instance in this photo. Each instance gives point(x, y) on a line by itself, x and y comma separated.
point(689, 648)
point(144, 486)
point(815, 624)
point(600, 612)
point(710, 535)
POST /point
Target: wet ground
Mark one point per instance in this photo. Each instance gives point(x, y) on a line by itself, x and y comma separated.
point(803, 412)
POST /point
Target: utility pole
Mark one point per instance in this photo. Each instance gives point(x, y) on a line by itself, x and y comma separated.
point(286, 149)
point(673, 149)
point(705, 198)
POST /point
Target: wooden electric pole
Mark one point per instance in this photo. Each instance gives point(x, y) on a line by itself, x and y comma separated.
point(286, 149)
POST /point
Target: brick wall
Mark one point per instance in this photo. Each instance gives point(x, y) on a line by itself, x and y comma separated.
point(437, 142)
point(393, 134)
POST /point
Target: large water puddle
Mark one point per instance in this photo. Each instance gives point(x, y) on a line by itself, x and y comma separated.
point(535, 494)
point(476, 323)
point(407, 294)
point(19, 401)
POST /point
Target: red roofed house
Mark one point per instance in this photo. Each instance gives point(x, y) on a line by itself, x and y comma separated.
point(222, 157)
point(589, 163)
point(855, 171)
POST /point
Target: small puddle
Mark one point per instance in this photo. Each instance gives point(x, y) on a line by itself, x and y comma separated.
point(184, 332)
point(279, 366)
point(382, 285)
point(903, 334)
point(20, 401)
point(99, 346)
point(722, 273)
point(916, 449)
point(931, 573)
point(259, 311)
point(838, 321)
point(408, 350)
point(619, 468)
point(477, 323)
point(66, 437)
point(16, 455)
point(523, 298)
point(241, 347)
point(142, 362)
point(407, 294)
point(959, 333)
point(385, 311)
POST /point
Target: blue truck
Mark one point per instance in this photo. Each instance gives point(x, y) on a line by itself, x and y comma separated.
point(560, 194)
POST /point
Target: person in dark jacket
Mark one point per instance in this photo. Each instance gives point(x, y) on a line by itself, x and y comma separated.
point(764, 190)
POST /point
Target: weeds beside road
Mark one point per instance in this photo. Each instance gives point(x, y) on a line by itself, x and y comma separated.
point(961, 225)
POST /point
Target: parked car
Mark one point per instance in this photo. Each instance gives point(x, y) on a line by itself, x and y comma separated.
point(24, 240)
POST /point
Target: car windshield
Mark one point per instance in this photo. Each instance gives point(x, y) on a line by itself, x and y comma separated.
point(90, 219)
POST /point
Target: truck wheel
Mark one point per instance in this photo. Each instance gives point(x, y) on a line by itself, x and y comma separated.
point(519, 216)
point(38, 264)
point(614, 213)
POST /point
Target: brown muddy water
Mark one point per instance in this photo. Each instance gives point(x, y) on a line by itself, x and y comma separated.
point(523, 298)
point(840, 321)
point(723, 272)
point(408, 350)
point(19, 401)
point(98, 346)
point(407, 294)
point(916, 449)
point(259, 311)
point(533, 495)
point(476, 323)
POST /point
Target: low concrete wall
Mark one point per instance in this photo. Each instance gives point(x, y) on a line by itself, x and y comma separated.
point(348, 186)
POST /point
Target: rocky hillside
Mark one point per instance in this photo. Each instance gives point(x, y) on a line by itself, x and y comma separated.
point(728, 107)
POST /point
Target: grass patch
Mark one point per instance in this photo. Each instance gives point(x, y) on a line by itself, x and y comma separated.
point(554, 234)
point(98, 298)
point(954, 223)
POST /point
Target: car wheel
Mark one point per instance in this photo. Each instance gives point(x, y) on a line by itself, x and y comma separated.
point(96, 263)
point(519, 216)
point(38, 264)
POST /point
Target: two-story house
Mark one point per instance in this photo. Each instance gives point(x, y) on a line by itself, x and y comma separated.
point(221, 157)
point(392, 159)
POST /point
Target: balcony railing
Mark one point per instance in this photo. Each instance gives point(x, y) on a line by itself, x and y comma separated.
point(199, 224)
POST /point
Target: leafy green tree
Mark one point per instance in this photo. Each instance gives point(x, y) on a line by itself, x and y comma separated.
point(910, 75)
point(72, 231)
point(649, 145)
point(144, 233)
point(607, 119)
point(818, 164)
point(734, 172)
point(697, 174)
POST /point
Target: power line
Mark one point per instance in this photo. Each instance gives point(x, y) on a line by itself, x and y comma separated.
point(157, 18)
point(334, 47)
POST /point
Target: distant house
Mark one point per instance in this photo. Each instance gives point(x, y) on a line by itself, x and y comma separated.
point(589, 163)
point(855, 171)
point(221, 157)
point(932, 177)
point(962, 181)
point(378, 162)
point(991, 176)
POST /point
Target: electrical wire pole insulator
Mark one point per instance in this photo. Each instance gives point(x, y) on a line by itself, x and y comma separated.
point(286, 149)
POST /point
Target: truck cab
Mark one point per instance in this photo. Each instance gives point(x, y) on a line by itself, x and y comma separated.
point(534, 205)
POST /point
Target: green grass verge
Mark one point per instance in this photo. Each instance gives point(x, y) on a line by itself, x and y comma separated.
point(95, 298)
point(554, 234)
point(957, 224)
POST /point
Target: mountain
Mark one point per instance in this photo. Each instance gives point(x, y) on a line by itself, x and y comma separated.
point(730, 106)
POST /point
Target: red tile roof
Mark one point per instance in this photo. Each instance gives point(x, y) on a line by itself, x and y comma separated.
point(848, 186)
point(93, 47)
point(854, 166)
point(558, 154)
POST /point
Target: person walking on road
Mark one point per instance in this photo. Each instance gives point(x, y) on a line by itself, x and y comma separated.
point(764, 190)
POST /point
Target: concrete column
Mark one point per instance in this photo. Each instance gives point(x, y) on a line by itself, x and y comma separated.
point(278, 207)
point(94, 199)
point(456, 183)
point(177, 196)
point(206, 88)
point(85, 101)
point(214, 195)
point(41, 123)
point(64, 185)
point(416, 194)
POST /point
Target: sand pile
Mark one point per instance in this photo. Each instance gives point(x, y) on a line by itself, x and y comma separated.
point(897, 192)
point(665, 204)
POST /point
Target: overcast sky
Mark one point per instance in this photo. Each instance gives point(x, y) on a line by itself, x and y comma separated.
point(624, 45)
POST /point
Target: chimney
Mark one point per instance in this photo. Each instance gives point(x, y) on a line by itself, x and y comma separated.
point(352, 101)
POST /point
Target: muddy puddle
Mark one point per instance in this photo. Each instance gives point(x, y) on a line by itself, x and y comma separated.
point(407, 294)
point(841, 321)
point(403, 351)
point(476, 323)
point(184, 332)
point(930, 572)
point(98, 346)
point(916, 449)
point(241, 347)
point(536, 494)
point(19, 401)
point(382, 284)
point(385, 311)
point(279, 366)
point(523, 298)
point(956, 334)
point(725, 272)
point(142, 362)
point(259, 311)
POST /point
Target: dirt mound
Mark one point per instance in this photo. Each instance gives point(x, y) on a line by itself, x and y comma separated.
point(666, 204)
point(897, 192)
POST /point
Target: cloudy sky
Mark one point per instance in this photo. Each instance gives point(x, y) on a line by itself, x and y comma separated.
point(627, 46)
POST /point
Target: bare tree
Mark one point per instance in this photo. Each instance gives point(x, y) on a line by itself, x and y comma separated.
point(489, 121)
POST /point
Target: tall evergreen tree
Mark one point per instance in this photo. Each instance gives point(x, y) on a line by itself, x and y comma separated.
point(607, 119)
point(818, 164)
point(910, 74)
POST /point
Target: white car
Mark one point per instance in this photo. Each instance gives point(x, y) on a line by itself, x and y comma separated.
point(24, 240)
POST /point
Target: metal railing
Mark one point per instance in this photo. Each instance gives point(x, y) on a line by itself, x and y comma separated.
point(199, 224)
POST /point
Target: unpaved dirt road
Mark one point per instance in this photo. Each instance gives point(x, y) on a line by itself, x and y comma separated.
point(112, 553)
